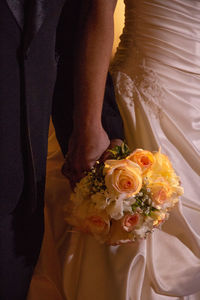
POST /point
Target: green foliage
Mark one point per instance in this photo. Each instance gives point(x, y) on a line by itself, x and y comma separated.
point(97, 177)
point(144, 202)
point(120, 152)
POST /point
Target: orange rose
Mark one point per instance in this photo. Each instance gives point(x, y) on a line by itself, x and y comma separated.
point(122, 176)
point(145, 159)
point(130, 221)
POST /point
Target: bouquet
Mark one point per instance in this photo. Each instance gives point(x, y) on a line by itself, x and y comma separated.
point(125, 197)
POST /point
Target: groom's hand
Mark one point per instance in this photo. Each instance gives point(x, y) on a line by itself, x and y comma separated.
point(89, 140)
point(86, 146)
point(107, 154)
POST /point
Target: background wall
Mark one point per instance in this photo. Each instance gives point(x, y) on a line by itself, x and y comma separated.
point(119, 23)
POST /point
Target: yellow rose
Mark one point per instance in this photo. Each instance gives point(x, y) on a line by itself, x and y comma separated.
point(159, 218)
point(163, 168)
point(145, 159)
point(122, 176)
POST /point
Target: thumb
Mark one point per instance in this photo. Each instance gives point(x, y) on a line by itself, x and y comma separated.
point(113, 143)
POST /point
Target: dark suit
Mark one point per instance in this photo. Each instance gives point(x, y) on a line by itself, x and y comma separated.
point(28, 68)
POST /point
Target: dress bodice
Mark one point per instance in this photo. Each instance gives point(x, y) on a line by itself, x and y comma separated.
point(158, 62)
point(164, 31)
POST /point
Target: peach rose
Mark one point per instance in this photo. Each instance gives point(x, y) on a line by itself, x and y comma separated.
point(145, 159)
point(130, 221)
point(97, 225)
point(161, 192)
point(122, 176)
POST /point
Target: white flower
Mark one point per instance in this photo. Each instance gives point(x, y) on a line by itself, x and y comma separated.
point(115, 209)
point(127, 204)
point(100, 200)
point(144, 227)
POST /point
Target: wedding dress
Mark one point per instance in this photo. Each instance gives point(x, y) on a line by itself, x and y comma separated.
point(156, 73)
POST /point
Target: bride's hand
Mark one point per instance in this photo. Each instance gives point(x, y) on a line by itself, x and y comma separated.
point(86, 146)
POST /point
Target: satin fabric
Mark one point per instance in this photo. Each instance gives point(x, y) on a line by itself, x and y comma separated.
point(156, 73)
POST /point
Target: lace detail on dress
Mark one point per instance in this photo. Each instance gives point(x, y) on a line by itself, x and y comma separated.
point(141, 86)
point(124, 86)
point(134, 80)
point(149, 90)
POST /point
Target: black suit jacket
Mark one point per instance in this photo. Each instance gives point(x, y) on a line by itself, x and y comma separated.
point(28, 69)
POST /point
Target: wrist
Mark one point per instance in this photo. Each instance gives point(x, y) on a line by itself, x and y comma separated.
point(92, 132)
point(87, 124)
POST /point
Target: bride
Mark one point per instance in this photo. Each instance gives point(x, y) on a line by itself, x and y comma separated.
point(156, 73)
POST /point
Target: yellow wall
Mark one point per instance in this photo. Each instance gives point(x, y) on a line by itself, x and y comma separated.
point(119, 23)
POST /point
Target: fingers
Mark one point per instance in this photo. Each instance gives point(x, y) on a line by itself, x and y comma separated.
point(113, 143)
point(74, 173)
point(76, 167)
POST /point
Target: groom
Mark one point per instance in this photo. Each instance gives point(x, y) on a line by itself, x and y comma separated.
point(28, 68)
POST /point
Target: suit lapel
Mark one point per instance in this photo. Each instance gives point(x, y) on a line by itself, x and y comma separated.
point(36, 16)
point(17, 10)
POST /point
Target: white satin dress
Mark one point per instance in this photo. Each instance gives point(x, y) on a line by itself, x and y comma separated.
point(156, 73)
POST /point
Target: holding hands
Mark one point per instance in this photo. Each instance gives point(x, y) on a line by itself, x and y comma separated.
point(85, 148)
point(89, 141)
